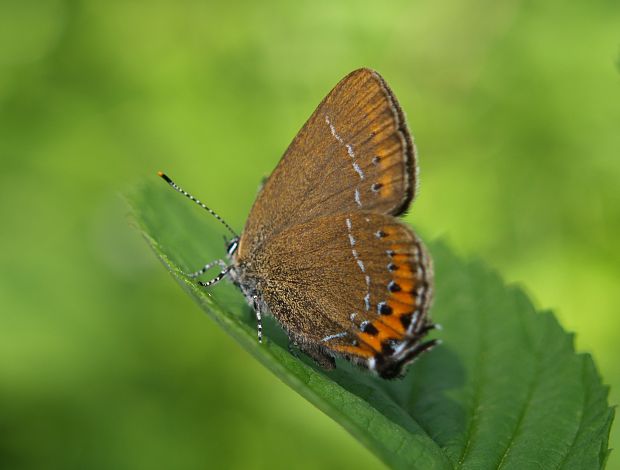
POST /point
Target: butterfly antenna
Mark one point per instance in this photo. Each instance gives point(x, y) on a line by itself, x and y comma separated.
point(188, 195)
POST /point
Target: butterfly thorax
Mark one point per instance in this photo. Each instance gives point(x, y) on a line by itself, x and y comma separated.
point(242, 275)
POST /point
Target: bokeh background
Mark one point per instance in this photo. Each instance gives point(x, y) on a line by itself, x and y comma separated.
point(106, 363)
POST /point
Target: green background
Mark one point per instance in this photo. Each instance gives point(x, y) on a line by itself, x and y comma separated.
point(106, 363)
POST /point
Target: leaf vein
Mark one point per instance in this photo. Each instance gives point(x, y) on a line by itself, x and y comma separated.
point(528, 399)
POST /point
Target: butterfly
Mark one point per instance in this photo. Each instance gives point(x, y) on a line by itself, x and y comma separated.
point(322, 249)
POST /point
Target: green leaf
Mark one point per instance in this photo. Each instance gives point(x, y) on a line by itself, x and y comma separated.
point(504, 390)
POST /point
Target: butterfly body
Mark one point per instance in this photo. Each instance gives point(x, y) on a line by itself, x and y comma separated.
point(322, 249)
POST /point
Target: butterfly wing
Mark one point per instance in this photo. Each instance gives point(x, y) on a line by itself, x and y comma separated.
point(354, 153)
point(357, 284)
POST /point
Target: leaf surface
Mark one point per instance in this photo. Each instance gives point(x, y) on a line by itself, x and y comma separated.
point(504, 390)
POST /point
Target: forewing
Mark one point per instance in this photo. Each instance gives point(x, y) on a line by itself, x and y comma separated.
point(358, 284)
point(354, 153)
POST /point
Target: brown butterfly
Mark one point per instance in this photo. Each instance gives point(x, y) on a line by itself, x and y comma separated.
point(322, 249)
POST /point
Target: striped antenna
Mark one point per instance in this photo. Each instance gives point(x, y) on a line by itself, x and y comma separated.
point(188, 195)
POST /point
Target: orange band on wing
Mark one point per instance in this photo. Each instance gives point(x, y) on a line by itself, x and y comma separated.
point(363, 350)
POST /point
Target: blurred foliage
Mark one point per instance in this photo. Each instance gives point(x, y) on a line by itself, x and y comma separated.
point(104, 363)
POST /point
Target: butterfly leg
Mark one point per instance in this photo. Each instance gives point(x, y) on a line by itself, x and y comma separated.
point(259, 318)
point(206, 267)
point(217, 278)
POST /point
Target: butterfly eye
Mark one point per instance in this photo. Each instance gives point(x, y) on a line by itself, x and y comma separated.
point(232, 246)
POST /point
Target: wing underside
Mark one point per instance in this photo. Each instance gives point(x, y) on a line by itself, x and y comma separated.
point(358, 284)
point(354, 153)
